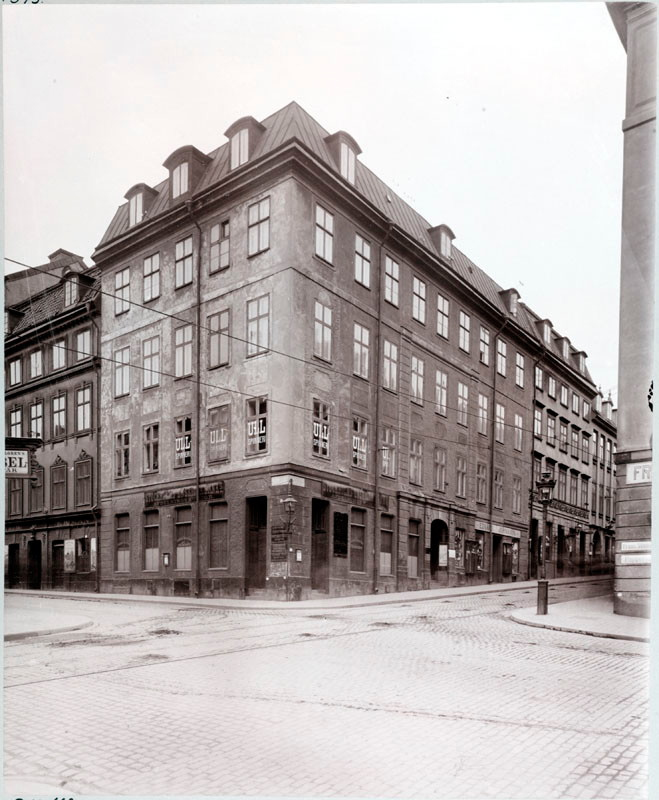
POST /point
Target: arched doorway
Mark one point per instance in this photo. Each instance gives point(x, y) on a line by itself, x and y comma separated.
point(438, 548)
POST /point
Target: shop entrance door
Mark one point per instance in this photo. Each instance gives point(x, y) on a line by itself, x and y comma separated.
point(319, 545)
point(497, 574)
point(58, 564)
point(13, 565)
point(438, 548)
point(257, 531)
point(34, 564)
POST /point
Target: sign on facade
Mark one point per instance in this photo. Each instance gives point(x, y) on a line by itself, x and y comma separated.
point(631, 559)
point(639, 473)
point(635, 546)
point(17, 462)
point(69, 555)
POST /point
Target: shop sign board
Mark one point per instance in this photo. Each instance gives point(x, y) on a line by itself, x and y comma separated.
point(17, 462)
point(639, 473)
point(634, 559)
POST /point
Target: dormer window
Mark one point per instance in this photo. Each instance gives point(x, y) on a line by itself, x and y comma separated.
point(566, 349)
point(239, 148)
point(442, 237)
point(135, 206)
point(71, 291)
point(180, 179)
point(347, 166)
point(582, 361)
point(546, 332)
point(445, 244)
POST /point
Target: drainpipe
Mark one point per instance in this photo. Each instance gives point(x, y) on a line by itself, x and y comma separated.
point(197, 525)
point(378, 379)
point(495, 354)
point(97, 392)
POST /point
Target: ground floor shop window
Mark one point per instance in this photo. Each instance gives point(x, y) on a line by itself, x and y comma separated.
point(82, 555)
point(151, 540)
point(507, 561)
point(122, 542)
point(15, 497)
point(219, 536)
point(183, 525)
point(386, 544)
point(413, 549)
point(357, 536)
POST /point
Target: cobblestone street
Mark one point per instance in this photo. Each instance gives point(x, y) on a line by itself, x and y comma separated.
point(445, 698)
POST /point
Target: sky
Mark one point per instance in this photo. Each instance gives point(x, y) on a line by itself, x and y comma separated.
point(501, 120)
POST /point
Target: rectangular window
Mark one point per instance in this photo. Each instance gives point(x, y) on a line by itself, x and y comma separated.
point(517, 494)
point(357, 539)
point(539, 379)
point(219, 536)
point(15, 497)
point(483, 413)
point(219, 338)
point(36, 495)
point(84, 408)
point(122, 454)
point(574, 443)
point(416, 461)
point(36, 364)
point(519, 370)
point(219, 433)
point(419, 300)
point(183, 442)
point(16, 422)
point(83, 482)
point(83, 345)
point(564, 395)
point(502, 349)
point(151, 361)
point(58, 486)
point(347, 163)
point(151, 541)
point(461, 475)
point(562, 484)
point(498, 488)
point(320, 429)
point(324, 234)
point(219, 246)
point(417, 380)
point(386, 544)
point(551, 430)
point(58, 427)
point(391, 280)
point(484, 347)
point(576, 403)
point(15, 370)
point(183, 262)
point(390, 364)
point(500, 423)
point(551, 386)
point(584, 492)
point(519, 432)
point(151, 277)
point(180, 179)
point(135, 210)
point(183, 533)
point(388, 450)
point(361, 343)
point(121, 291)
point(122, 543)
point(150, 447)
point(441, 392)
point(413, 549)
point(36, 420)
point(239, 148)
point(574, 489)
point(71, 290)
point(59, 354)
point(257, 425)
point(585, 448)
point(122, 372)
point(362, 261)
point(442, 316)
point(465, 328)
point(586, 409)
point(258, 227)
point(440, 469)
point(359, 442)
point(563, 437)
point(481, 483)
point(258, 325)
point(463, 403)
point(183, 351)
point(322, 341)
point(537, 423)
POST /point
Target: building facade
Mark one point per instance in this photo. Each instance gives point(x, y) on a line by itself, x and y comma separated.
point(636, 24)
point(308, 388)
point(51, 394)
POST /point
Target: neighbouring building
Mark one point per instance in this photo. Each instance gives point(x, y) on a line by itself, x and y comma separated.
point(306, 387)
point(636, 24)
point(51, 393)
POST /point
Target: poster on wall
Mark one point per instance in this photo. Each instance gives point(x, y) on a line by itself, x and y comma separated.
point(92, 555)
point(69, 555)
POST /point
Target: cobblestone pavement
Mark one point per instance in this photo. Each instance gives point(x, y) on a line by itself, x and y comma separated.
point(441, 699)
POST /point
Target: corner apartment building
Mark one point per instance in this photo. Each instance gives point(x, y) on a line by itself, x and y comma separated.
point(51, 393)
point(285, 328)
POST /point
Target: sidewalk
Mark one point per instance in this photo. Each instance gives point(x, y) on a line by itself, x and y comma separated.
point(43, 621)
point(592, 616)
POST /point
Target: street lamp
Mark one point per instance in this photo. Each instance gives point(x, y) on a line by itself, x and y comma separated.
point(545, 485)
point(289, 503)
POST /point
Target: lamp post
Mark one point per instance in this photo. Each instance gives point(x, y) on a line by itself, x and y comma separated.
point(545, 486)
point(289, 503)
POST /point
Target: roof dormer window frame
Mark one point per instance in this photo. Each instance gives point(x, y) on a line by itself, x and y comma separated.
point(71, 290)
point(239, 144)
point(180, 179)
point(347, 162)
point(135, 209)
point(546, 332)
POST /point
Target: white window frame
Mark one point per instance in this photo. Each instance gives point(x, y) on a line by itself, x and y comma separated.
point(419, 291)
point(441, 392)
point(151, 362)
point(361, 345)
point(324, 234)
point(239, 148)
point(362, 260)
point(151, 277)
point(322, 347)
point(416, 380)
point(121, 291)
point(122, 371)
point(465, 332)
point(258, 227)
point(183, 351)
point(519, 370)
point(390, 366)
point(180, 179)
point(391, 280)
point(443, 311)
point(484, 346)
point(463, 404)
point(258, 325)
